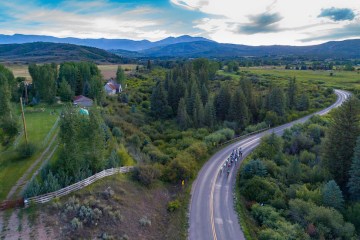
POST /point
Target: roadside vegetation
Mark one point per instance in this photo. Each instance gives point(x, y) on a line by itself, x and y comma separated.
point(305, 184)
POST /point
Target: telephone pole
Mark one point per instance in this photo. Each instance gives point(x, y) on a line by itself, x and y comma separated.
point(24, 122)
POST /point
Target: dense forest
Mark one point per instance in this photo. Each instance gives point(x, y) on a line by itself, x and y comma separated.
point(305, 184)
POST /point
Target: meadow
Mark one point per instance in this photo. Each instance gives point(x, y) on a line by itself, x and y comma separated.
point(347, 80)
point(40, 129)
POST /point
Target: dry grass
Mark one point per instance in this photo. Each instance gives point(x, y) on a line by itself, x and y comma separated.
point(109, 71)
point(20, 71)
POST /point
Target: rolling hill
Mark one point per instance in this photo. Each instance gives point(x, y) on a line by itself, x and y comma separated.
point(107, 44)
point(335, 49)
point(54, 52)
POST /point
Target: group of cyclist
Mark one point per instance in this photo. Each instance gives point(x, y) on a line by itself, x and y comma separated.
point(232, 160)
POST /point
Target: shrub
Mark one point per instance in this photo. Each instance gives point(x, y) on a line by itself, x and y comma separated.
point(33, 189)
point(145, 221)
point(253, 168)
point(183, 167)
point(116, 132)
point(26, 150)
point(173, 205)
point(76, 223)
point(259, 189)
point(146, 174)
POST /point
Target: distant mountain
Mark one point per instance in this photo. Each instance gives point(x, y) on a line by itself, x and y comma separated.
point(334, 49)
point(54, 52)
point(107, 44)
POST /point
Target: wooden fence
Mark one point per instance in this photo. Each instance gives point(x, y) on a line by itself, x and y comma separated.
point(77, 186)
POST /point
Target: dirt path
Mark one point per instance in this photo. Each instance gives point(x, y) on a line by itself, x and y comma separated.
point(22, 181)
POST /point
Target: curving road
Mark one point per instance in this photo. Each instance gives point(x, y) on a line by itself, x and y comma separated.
point(212, 214)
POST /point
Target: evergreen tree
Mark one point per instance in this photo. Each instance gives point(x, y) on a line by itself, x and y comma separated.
point(209, 115)
point(291, 93)
point(172, 96)
point(65, 92)
point(120, 76)
point(194, 91)
point(159, 103)
point(276, 101)
point(183, 118)
point(238, 110)
point(204, 94)
point(340, 141)
point(303, 103)
point(354, 173)
point(148, 66)
point(222, 103)
point(332, 195)
point(198, 112)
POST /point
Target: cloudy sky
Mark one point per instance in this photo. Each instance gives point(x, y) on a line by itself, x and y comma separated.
point(250, 22)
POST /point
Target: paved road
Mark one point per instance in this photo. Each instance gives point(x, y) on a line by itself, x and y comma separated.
point(212, 214)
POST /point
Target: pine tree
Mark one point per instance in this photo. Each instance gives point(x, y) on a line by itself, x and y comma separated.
point(340, 141)
point(238, 110)
point(198, 112)
point(303, 103)
point(276, 101)
point(120, 76)
point(332, 195)
point(209, 115)
point(159, 103)
point(354, 173)
point(291, 93)
point(172, 96)
point(194, 91)
point(222, 103)
point(182, 118)
point(204, 94)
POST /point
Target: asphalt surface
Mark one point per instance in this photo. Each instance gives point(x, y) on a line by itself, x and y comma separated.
point(212, 214)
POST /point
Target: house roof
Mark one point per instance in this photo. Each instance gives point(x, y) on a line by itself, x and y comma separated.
point(81, 98)
point(112, 86)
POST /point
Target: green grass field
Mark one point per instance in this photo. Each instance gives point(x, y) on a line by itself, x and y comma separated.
point(12, 167)
point(340, 79)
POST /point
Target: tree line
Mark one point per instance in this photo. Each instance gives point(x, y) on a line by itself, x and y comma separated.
point(189, 94)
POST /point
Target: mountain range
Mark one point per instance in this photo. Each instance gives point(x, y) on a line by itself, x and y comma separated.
point(102, 43)
point(173, 47)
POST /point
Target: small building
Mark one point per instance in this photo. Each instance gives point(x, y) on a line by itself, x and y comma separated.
point(112, 87)
point(83, 101)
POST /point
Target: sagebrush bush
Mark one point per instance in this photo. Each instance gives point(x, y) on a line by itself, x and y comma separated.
point(145, 221)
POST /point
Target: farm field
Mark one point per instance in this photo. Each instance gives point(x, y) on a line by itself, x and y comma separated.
point(108, 71)
point(341, 79)
point(40, 128)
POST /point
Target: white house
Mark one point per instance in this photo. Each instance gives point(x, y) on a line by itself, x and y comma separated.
point(112, 87)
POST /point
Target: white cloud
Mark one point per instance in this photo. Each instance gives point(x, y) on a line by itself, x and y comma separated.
point(234, 21)
point(95, 19)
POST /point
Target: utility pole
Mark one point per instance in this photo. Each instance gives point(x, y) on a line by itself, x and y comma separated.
point(23, 118)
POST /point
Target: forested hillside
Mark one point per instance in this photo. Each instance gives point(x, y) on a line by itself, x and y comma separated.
point(40, 52)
